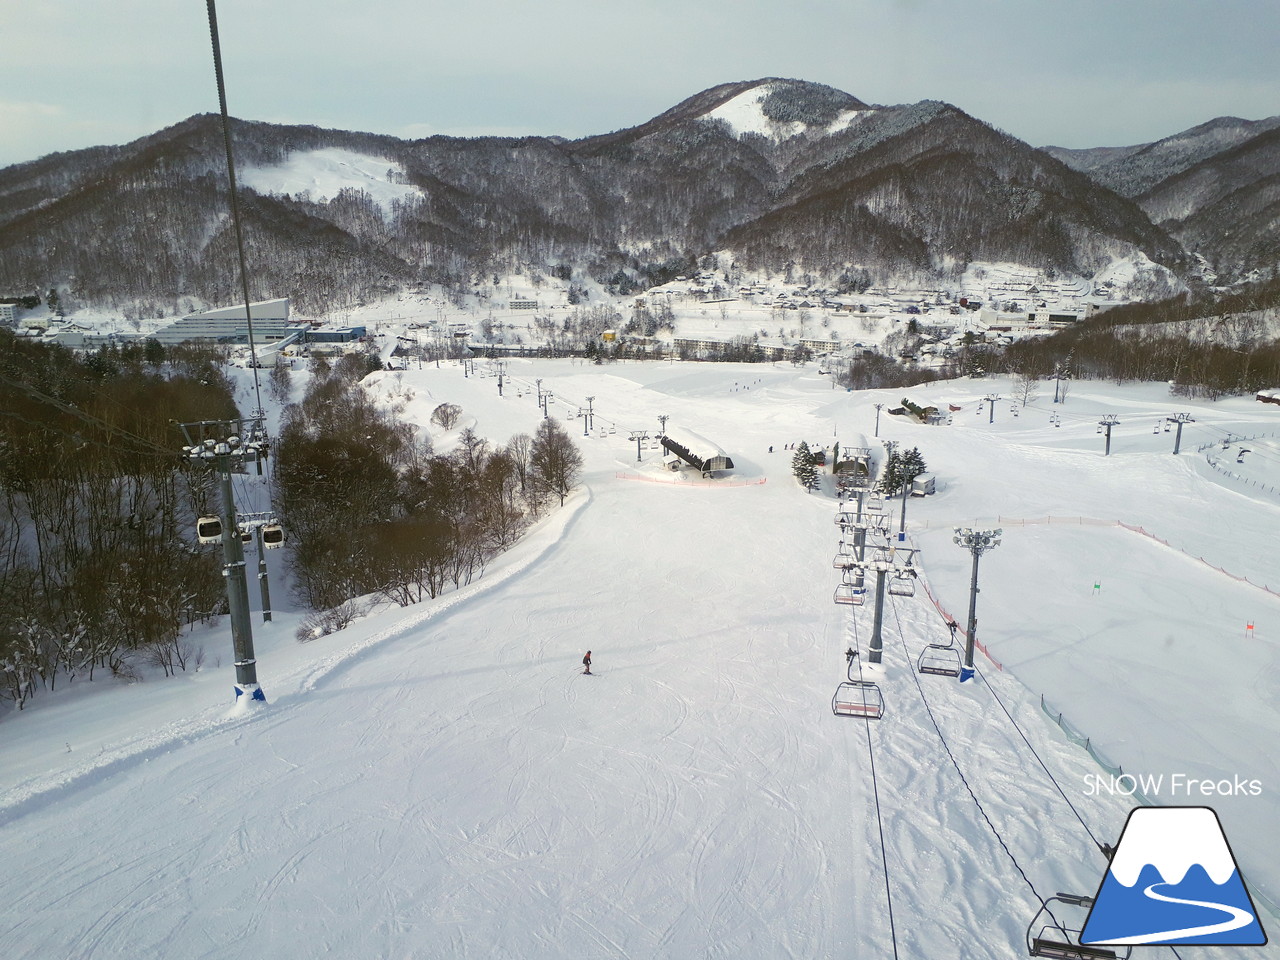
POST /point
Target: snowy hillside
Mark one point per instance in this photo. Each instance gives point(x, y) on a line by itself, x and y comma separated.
point(746, 113)
point(442, 781)
point(321, 175)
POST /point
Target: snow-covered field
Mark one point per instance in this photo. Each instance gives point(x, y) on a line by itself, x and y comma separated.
point(442, 781)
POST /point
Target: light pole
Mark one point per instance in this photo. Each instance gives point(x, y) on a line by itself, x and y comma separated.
point(976, 542)
point(879, 406)
point(907, 480)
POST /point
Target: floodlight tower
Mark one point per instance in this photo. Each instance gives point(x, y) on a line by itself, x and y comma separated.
point(976, 542)
point(1179, 419)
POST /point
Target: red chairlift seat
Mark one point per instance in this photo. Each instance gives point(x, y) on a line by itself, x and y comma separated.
point(858, 698)
point(850, 594)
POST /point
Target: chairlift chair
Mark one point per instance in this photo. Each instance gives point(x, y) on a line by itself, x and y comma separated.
point(272, 536)
point(209, 530)
point(939, 660)
point(850, 594)
point(858, 698)
point(1047, 937)
point(903, 584)
point(875, 503)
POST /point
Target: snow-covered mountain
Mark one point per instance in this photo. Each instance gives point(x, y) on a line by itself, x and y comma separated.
point(780, 173)
point(1132, 171)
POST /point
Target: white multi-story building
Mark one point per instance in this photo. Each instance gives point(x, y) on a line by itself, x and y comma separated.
point(228, 324)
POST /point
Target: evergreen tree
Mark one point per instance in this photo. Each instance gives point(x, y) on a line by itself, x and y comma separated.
point(891, 475)
point(804, 467)
point(900, 469)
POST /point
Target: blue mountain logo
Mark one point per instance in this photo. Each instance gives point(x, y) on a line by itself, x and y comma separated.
point(1173, 881)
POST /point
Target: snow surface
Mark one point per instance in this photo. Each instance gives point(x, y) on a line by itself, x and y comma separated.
point(324, 173)
point(442, 781)
point(744, 115)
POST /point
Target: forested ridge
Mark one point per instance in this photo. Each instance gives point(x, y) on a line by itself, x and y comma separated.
point(918, 190)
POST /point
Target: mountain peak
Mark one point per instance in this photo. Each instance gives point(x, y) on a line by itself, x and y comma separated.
point(779, 108)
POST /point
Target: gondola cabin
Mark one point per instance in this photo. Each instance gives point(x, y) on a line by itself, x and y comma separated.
point(209, 530)
point(272, 536)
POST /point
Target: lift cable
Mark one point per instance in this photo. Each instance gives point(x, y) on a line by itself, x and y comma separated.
point(142, 442)
point(1049, 774)
point(875, 792)
point(235, 205)
point(947, 747)
point(901, 639)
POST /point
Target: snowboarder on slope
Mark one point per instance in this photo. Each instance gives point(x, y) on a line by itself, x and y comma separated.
point(586, 663)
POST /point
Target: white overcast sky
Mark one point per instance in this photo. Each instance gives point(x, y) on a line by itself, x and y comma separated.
point(1076, 73)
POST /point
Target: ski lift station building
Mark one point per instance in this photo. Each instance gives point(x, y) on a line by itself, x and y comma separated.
point(699, 452)
point(854, 457)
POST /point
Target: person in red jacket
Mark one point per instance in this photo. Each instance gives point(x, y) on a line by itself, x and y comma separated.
point(586, 663)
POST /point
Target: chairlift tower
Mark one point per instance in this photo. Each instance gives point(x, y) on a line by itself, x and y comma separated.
point(1105, 424)
point(991, 399)
point(976, 542)
point(885, 561)
point(1060, 372)
point(224, 445)
point(1179, 419)
point(639, 436)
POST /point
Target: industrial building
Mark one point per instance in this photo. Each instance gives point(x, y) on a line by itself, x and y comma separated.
point(228, 324)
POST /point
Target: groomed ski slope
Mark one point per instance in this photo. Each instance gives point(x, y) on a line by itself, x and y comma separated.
point(441, 781)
